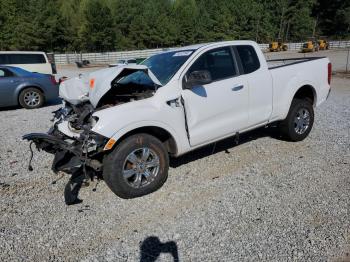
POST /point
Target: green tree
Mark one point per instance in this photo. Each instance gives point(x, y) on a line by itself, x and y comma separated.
point(333, 17)
point(185, 14)
point(96, 32)
point(70, 14)
point(100, 25)
point(8, 17)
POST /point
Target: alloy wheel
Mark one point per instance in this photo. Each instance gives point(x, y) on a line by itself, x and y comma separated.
point(141, 167)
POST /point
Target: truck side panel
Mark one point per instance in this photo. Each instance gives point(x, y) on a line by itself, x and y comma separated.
point(287, 80)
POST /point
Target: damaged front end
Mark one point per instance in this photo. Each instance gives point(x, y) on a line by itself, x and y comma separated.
point(78, 150)
point(80, 154)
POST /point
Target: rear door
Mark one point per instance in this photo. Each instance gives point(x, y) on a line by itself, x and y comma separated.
point(260, 84)
point(8, 84)
point(220, 108)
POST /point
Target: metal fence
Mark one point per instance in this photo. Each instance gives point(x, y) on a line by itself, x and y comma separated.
point(109, 57)
point(103, 58)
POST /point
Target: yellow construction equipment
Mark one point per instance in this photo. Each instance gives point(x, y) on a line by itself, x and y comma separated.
point(323, 44)
point(310, 46)
point(277, 46)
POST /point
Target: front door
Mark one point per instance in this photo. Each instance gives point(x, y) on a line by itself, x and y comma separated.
point(218, 109)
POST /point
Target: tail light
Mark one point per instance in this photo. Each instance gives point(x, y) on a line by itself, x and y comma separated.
point(329, 73)
point(53, 80)
point(62, 79)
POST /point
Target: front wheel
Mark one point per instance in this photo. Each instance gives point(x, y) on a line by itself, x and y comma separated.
point(299, 121)
point(137, 166)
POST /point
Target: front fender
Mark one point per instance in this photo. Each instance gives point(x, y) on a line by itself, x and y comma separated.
point(147, 123)
point(117, 121)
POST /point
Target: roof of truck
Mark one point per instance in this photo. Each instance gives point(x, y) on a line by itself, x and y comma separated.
point(198, 46)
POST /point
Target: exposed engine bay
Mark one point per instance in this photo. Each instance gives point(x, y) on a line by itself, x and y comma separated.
point(77, 150)
point(126, 90)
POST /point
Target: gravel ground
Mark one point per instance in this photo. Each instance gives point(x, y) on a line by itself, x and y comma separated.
point(264, 199)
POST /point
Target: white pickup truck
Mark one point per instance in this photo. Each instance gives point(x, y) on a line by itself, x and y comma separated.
point(121, 124)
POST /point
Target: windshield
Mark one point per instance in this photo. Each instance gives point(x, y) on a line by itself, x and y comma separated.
point(165, 65)
point(137, 78)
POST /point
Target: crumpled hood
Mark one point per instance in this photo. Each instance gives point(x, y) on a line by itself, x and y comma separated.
point(93, 86)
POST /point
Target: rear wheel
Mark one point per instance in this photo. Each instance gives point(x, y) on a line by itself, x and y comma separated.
point(299, 121)
point(31, 98)
point(137, 166)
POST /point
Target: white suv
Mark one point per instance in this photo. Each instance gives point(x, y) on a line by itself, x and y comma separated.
point(37, 62)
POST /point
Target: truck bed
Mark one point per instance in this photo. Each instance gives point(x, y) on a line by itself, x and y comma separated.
point(277, 63)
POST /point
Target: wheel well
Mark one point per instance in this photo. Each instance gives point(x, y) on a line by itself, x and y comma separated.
point(306, 92)
point(164, 136)
point(26, 87)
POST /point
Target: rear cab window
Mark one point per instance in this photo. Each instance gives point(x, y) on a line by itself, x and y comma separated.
point(248, 58)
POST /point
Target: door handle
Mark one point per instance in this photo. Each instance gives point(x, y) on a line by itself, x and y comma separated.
point(237, 88)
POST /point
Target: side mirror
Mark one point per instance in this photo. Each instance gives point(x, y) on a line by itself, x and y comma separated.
point(198, 78)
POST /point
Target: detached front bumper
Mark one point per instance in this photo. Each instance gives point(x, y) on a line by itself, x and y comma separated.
point(82, 159)
point(69, 157)
point(78, 151)
point(50, 143)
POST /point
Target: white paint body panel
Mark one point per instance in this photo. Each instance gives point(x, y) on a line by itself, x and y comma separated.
point(119, 120)
point(287, 80)
point(79, 92)
point(78, 89)
point(213, 111)
point(43, 68)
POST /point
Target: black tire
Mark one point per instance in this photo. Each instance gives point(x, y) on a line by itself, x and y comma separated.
point(115, 162)
point(36, 93)
point(289, 128)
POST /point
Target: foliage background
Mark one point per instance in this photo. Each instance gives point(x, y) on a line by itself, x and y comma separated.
point(106, 25)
